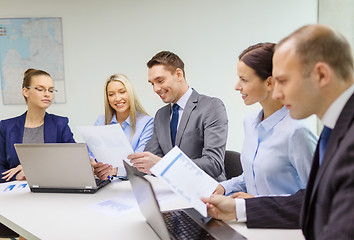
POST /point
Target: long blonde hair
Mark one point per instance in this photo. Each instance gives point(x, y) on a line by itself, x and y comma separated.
point(135, 105)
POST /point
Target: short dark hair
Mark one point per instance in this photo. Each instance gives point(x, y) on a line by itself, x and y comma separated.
point(169, 59)
point(318, 43)
point(259, 57)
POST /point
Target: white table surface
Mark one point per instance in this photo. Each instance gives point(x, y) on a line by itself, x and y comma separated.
point(75, 216)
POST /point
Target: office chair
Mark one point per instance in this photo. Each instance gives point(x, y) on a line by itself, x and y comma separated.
point(6, 232)
point(233, 167)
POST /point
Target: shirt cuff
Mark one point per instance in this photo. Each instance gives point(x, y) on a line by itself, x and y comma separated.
point(226, 185)
point(240, 205)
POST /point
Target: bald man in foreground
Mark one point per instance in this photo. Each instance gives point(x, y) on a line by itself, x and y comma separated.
point(313, 70)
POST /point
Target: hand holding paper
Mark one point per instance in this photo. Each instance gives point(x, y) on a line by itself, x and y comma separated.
point(185, 178)
point(108, 143)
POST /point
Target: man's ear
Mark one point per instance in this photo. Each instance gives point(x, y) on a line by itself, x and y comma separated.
point(269, 83)
point(322, 74)
point(179, 74)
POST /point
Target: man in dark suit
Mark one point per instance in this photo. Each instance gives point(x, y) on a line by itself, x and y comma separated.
point(196, 123)
point(313, 70)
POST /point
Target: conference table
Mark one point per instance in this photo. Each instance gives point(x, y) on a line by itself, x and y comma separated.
point(110, 213)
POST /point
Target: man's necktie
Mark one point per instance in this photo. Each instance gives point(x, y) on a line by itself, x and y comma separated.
point(326, 132)
point(174, 122)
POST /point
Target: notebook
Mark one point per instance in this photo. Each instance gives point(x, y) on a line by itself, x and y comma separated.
point(58, 168)
point(176, 224)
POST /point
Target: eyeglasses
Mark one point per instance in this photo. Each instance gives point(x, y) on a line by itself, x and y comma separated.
point(42, 89)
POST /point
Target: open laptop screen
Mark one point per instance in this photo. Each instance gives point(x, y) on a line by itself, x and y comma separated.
point(57, 167)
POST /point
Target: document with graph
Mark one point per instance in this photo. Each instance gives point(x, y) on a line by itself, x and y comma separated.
point(185, 178)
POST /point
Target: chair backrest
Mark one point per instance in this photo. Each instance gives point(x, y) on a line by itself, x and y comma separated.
point(233, 167)
point(6, 232)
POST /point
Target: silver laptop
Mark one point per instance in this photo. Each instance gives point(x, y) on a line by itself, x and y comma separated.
point(176, 224)
point(58, 167)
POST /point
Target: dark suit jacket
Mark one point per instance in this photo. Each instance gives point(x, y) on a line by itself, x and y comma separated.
point(201, 134)
point(56, 130)
point(326, 208)
point(328, 211)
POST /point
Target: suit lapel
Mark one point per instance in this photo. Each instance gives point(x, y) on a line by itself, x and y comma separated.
point(305, 215)
point(50, 130)
point(18, 134)
point(165, 136)
point(190, 106)
point(340, 129)
point(344, 122)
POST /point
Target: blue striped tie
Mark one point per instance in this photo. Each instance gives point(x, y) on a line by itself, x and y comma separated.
point(326, 132)
point(174, 122)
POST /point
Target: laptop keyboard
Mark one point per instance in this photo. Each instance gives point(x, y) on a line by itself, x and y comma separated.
point(182, 226)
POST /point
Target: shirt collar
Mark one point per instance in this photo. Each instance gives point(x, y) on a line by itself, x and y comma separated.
point(272, 120)
point(114, 120)
point(331, 116)
point(182, 102)
point(124, 124)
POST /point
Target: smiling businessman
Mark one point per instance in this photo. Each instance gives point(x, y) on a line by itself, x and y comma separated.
point(196, 123)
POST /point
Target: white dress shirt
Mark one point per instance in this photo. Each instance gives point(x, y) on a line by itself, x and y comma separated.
point(331, 116)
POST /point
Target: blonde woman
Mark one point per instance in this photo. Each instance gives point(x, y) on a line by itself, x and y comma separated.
point(123, 107)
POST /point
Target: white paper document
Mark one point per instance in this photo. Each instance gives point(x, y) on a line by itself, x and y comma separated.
point(185, 178)
point(108, 144)
point(14, 187)
point(116, 206)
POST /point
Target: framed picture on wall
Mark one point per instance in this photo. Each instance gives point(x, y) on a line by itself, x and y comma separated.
point(30, 43)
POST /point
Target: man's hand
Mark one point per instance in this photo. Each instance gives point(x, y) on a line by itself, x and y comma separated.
point(241, 195)
point(219, 190)
point(10, 173)
point(143, 161)
point(221, 207)
point(102, 171)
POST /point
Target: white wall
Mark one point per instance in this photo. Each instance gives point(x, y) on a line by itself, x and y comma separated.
point(110, 36)
point(338, 15)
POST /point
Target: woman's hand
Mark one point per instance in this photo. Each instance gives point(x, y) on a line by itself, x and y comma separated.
point(10, 173)
point(241, 195)
point(219, 190)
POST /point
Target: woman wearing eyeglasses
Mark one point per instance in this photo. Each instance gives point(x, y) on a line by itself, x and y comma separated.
point(34, 126)
point(123, 107)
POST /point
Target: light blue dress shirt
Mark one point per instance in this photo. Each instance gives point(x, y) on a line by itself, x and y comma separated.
point(276, 155)
point(143, 129)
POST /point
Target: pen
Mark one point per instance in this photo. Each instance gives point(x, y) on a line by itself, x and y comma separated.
point(109, 177)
